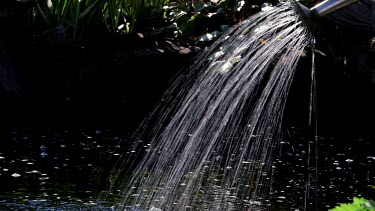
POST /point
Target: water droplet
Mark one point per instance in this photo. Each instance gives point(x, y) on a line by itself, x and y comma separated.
point(33, 172)
point(43, 178)
point(255, 202)
point(15, 175)
point(2, 157)
point(349, 160)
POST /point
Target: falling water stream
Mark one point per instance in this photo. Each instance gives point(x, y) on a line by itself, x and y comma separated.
point(212, 144)
point(311, 187)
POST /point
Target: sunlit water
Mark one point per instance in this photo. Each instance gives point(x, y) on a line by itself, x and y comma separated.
point(212, 144)
point(346, 170)
point(75, 165)
point(49, 169)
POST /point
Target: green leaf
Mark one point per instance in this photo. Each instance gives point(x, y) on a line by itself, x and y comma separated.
point(185, 6)
point(220, 10)
point(42, 13)
point(87, 10)
point(180, 14)
point(192, 18)
point(209, 6)
point(357, 205)
point(224, 4)
point(64, 11)
point(369, 205)
point(187, 28)
point(172, 26)
point(198, 5)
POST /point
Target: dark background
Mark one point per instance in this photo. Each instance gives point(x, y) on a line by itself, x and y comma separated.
point(114, 81)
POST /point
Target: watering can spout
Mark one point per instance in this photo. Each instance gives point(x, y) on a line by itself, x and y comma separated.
point(328, 7)
point(324, 8)
point(306, 15)
point(321, 10)
point(303, 10)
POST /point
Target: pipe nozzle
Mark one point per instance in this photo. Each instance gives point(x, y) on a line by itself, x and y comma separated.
point(328, 7)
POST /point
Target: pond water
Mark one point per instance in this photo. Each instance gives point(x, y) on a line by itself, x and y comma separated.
point(346, 168)
point(50, 169)
point(56, 169)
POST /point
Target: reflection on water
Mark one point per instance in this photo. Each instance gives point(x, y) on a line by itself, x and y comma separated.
point(45, 169)
point(68, 169)
point(346, 169)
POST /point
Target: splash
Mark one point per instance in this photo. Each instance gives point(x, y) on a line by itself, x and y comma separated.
point(211, 146)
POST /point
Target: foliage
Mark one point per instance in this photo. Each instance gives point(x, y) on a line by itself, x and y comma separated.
point(122, 15)
point(192, 18)
point(77, 15)
point(73, 14)
point(114, 12)
point(205, 20)
point(358, 204)
point(198, 20)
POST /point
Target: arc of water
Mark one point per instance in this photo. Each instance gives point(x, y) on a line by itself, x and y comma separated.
point(222, 124)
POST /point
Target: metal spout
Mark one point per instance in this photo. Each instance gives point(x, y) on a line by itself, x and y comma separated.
point(328, 7)
point(311, 16)
point(306, 16)
point(303, 10)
